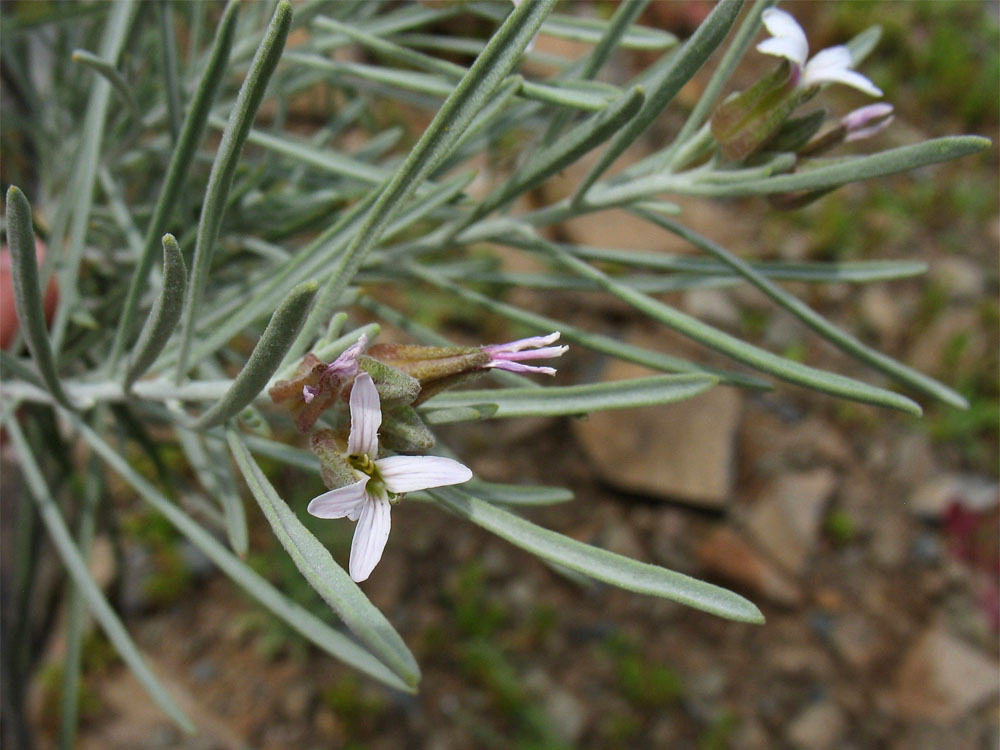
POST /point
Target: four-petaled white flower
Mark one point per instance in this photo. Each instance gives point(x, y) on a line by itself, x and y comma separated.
point(379, 480)
point(831, 65)
point(510, 355)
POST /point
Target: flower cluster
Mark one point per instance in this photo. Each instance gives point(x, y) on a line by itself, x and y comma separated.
point(382, 386)
point(761, 116)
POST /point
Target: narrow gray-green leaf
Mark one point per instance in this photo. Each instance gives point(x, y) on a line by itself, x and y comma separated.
point(696, 50)
point(220, 180)
point(76, 614)
point(706, 100)
point(814, 320)
point(164, 316)
point(816, 177)
point(85, 584)
point(577, 399)
point(610, 345)
point(493, 65)
point(815, 272)
point(265, 358)
point(462, 413)
point(28, 293)
point(863, 44)
point(518, 494)
point(598, 563)
point(212, 467)
point(591, 30)
point(318, 567)
point(567, 150)
point(761, 359)
point(168, 62)
point(110, 73)
point(80, 193)
point(180, 160)
point(300, 619)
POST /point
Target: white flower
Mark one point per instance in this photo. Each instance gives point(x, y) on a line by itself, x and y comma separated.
point(831, 65)
point(380, 481)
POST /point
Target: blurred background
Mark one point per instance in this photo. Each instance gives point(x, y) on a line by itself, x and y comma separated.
point(869, 539)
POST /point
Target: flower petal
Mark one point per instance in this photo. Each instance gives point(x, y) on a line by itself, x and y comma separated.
point(343, 501)
point(366, 417)
point(502, 364)
point(834, 65)
point(370, 537)
point(412, 473)
point(789, 40)
point(516, 346)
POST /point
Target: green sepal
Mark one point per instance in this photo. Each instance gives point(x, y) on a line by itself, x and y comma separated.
point(796, 132)
point(394, 386)
point(746, 121)
point(336, 472)
point(431, 363)
point(404, 431)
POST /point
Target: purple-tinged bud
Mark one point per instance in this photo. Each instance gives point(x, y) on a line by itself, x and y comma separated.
point(316, 386)
point(865, 122)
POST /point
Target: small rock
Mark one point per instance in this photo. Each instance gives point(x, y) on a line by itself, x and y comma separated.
point(891, 539)
point(723, 552)
point(567, 712)
point(961, 279)
point(620, 538)
point(713, 306)
point(942, 678)
point(681, 451)
point(856, 640)
point(818, 727)
point(295, 702)
point(786, 521)
point(880, 310)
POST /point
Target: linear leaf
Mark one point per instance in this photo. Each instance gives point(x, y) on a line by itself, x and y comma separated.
point(164, 316)
point(318, 567)
point(304, 622)
point(28, 292)
point(576, 143)
point(664, 88)
point(265, 358)
point(80, 194)
point(220, 180)
point(110, 73)
point(765, 361)
point(814, 320)
point(576, 399)
point(518, 494)
point(817, 177)
point(180, 161)
point(489, 70)
point(598, 563)
point(85, 584)
point(597, 342)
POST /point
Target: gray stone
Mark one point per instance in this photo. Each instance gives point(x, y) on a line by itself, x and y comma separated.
point(682, 451)
point(567, 712)
point(818, 727)
point(726, 554)
point(787, 519)
point(941, 678)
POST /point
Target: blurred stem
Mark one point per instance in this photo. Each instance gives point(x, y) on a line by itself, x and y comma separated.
point(76, 618)
point(171, 78)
